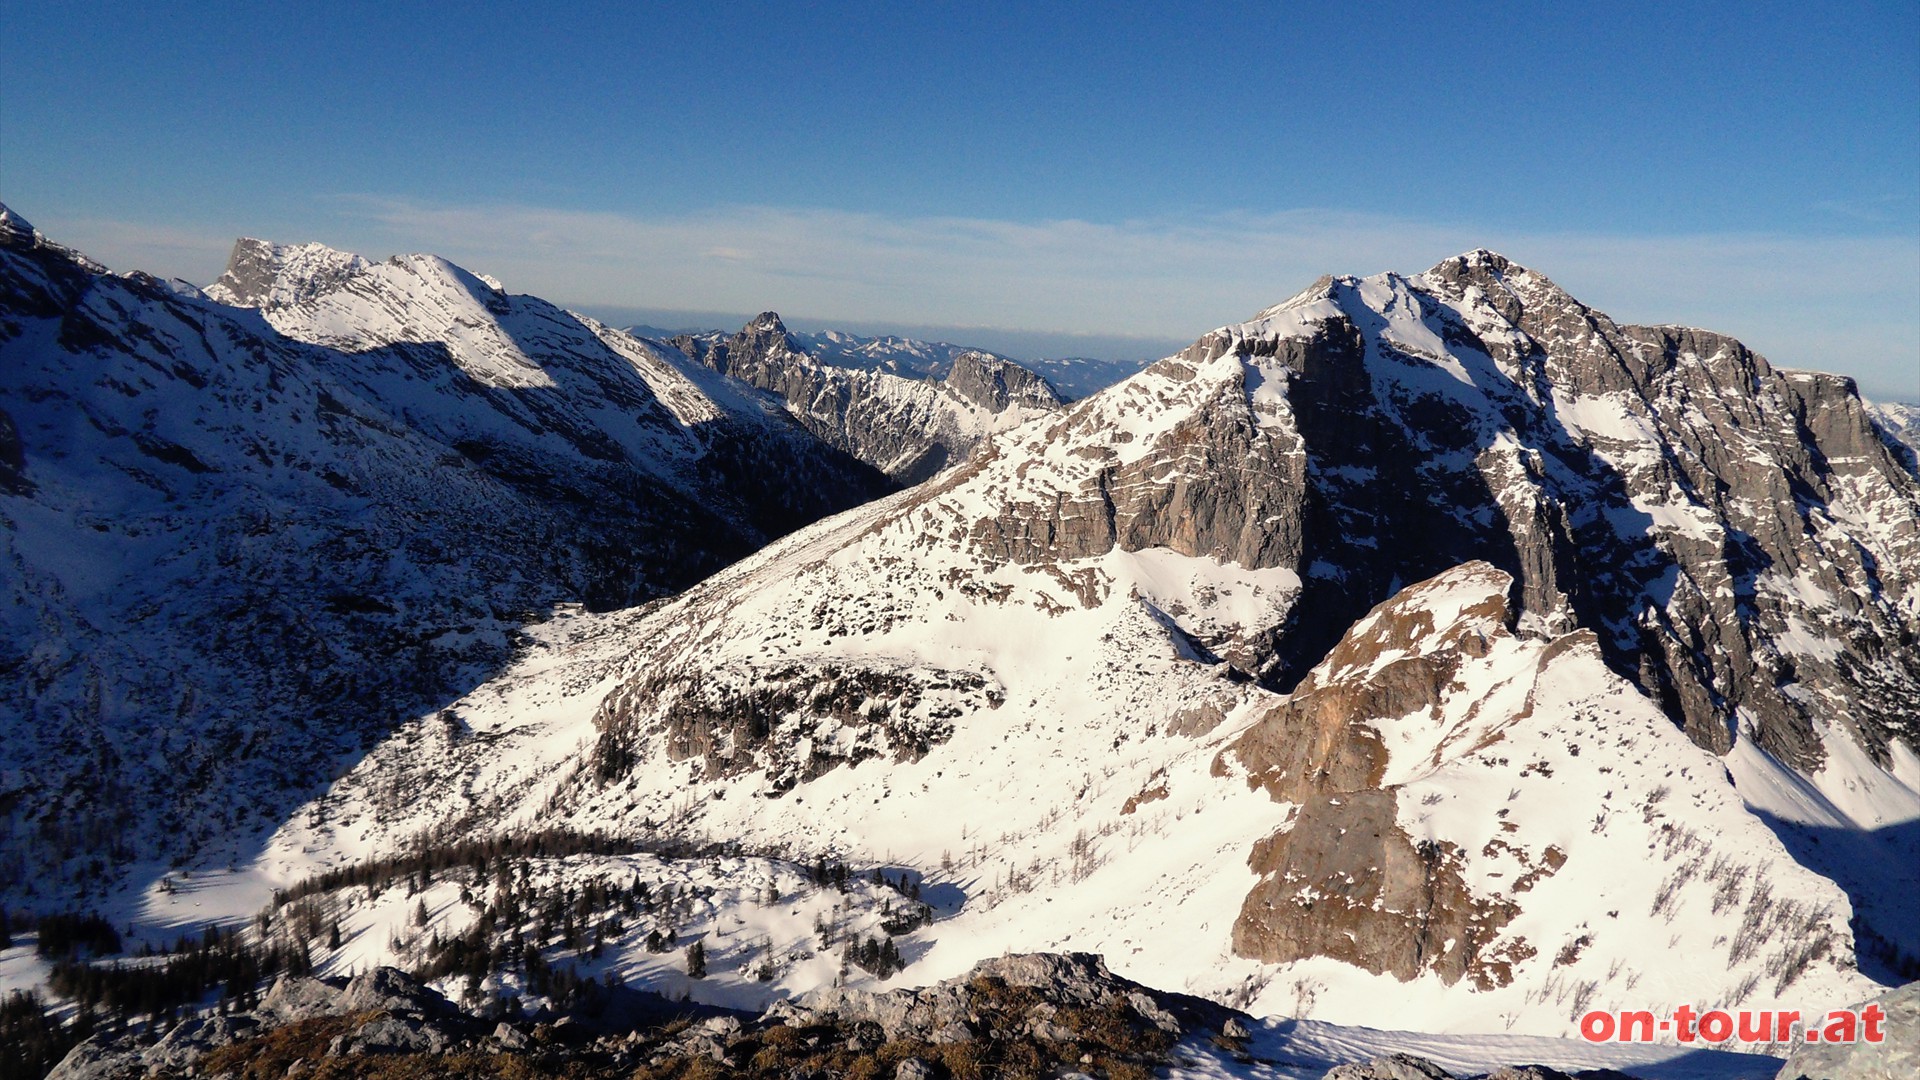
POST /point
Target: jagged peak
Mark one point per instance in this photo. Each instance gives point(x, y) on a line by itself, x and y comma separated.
point(1503, 284)
point(767, 322)
point(18, 232)
point(1483, 259)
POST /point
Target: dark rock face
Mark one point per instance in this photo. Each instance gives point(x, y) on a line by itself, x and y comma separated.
point(13, 460)
point(907, 428)
point(994, 383)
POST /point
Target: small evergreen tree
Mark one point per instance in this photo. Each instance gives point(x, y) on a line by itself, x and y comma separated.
point(697, 960)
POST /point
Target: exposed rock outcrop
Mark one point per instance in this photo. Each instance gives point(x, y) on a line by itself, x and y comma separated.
point(794, 724)
point(1895, 1057)
point(1034, 1013)
point(383, 1011)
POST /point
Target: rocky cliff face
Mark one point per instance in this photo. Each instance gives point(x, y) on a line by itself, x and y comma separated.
point(909, 429)
point(261, 274)
point(1345, 880)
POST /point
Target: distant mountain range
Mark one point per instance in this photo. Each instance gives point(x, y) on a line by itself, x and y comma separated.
point(1072, 377)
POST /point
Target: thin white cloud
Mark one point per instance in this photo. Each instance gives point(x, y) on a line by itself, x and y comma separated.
point(1850, 304)
point(163, 250)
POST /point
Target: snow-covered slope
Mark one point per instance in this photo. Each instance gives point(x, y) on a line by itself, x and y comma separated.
point(1430, 639)
point(909, 428)
point(1200, 832)
point(233, 559)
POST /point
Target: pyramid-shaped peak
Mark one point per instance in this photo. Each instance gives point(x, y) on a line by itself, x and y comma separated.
point(12, 224)
point(995, 382)
point(765, 322)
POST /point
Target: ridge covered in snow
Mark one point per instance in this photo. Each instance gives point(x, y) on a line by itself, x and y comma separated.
point(238, 554)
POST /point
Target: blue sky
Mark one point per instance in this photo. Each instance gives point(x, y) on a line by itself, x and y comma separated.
point(1132, 173)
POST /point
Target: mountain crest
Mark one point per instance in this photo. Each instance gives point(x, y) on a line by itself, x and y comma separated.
point(263, 274)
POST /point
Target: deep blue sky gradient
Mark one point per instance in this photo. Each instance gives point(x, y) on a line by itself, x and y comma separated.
point(1614, 121)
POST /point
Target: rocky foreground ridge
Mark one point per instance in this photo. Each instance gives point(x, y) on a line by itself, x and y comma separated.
point(1031, 1015)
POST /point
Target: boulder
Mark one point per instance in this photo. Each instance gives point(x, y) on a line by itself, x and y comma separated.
point(1895, 1058)
point(1390, 1067)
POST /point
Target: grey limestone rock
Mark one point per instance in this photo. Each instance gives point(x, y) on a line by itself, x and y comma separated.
point(913, 1069)
point(394, 1035)
point(1390, 1067)
point(99, 1058)
point(195, 1036)
point(945, 1013)
point(391, 990)
point(1895, 1058)
point(293, 998)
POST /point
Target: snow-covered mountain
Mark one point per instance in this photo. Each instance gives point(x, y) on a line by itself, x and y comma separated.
point(1427, 639)
point(889, 353)
point(241, 544)
point(909, 428)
